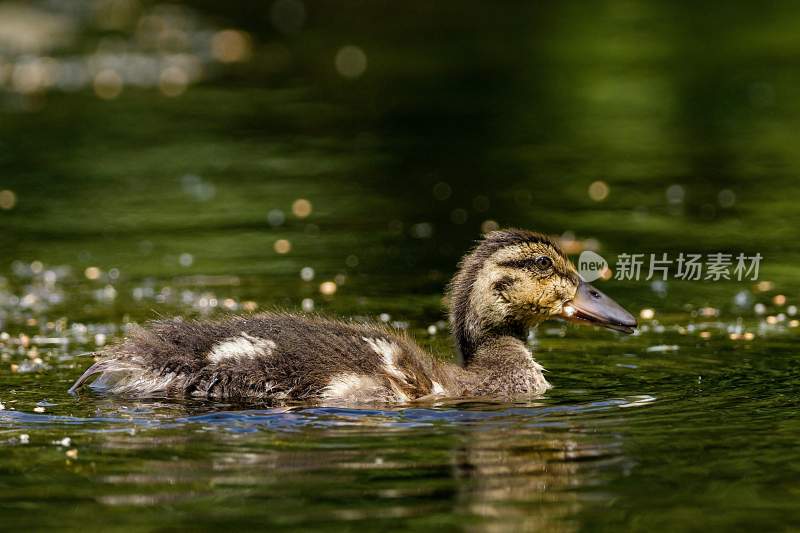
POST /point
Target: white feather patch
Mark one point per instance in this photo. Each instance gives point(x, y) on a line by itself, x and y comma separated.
point(389, 352)
point(437, 388)
point(243, 346)
point(352, 387)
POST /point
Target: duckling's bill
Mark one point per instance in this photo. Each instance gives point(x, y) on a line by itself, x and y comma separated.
point(590, 306)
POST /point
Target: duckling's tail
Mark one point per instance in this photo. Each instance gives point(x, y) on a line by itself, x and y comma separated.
point(81, 381)
point(134, 366)
point(102, 368)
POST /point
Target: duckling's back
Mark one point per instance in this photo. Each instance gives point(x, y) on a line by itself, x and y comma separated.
point(274, 357)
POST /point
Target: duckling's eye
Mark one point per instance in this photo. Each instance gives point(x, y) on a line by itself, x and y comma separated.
point(543, 262)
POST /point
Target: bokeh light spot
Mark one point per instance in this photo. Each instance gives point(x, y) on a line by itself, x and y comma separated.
point(276, 217)
point(301, 208)
point(764, 286)
point(108, 84)
point(422, 230)
point(351, 61)
point(7, 199)
point(458, 216)
point(598, 191)
point(442, 191)
point(231, 46)
point(488, 226)
point(92, 273)
point(28, 77)
point(282, 246)
point(675, 194)
point(328, 288)
point(173, 81)
point(307, 273)
point(726, 198)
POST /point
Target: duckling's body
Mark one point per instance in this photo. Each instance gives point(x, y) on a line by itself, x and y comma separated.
point(502, 288)
point(283, 358)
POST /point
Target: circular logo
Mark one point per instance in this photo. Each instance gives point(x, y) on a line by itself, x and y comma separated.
point(591, 266)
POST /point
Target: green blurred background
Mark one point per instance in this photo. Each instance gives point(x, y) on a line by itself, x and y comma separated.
point(134, 132)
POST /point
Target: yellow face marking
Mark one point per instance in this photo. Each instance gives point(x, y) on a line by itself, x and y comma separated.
point(529, 288)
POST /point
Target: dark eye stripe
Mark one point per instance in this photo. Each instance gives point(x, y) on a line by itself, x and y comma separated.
point(539, 263)
point(519, 263)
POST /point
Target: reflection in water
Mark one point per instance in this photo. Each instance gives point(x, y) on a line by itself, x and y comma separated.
point(485, 467)
point(529, 476)
point(522, 483)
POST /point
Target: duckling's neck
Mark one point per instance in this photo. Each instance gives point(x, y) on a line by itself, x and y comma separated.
point(490, 343)
point(476, 327)
point(477, 311)
point(503, 366)
point(483, 339)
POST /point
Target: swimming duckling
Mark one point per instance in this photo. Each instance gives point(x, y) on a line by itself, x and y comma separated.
point(512, 280)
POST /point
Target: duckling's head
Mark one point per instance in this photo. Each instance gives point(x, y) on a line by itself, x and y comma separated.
point(514, 279)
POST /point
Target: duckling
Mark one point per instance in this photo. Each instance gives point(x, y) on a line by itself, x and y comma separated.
point(511, 281)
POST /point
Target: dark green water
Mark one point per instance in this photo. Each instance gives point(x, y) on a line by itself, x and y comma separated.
point(144, 205)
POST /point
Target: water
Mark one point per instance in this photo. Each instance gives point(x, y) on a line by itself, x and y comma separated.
point(146, 205)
